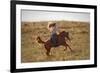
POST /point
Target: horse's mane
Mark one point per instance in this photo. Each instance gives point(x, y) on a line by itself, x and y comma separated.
point(64, 33)
point(61, 33)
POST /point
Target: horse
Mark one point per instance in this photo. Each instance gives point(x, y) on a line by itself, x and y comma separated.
point(61, 42)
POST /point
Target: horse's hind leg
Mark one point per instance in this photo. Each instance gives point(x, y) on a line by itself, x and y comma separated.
point(48, 52)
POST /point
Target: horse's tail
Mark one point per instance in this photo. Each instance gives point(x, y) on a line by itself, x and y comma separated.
point(39, 40)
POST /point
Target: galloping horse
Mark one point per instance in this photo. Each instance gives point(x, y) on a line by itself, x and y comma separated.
point(61, 41)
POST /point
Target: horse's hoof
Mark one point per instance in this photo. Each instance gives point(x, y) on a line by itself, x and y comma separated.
point(48, 54)
point(65, 49)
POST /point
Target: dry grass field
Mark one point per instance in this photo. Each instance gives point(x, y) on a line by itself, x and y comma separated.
point(32, 51)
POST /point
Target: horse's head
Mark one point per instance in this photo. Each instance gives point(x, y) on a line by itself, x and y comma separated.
point(65, 34)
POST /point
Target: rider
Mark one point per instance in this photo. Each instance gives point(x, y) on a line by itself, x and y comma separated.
point(52, 27)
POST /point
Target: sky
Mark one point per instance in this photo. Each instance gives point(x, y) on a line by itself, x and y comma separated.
point(36, 15)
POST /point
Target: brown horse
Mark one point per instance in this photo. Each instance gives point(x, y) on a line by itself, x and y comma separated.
point(61, 41)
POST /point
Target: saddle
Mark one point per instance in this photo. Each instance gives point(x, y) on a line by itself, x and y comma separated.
point(54, 41)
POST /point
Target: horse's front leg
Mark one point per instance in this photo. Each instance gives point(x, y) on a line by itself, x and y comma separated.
point(66, 45)
point(48, 51)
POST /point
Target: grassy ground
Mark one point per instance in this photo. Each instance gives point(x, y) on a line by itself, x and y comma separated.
point(32, 51)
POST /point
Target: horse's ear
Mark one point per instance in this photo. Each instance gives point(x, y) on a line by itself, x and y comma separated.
point(64, 31)
point(37, 37)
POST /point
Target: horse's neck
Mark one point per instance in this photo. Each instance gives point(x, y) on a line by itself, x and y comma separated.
point(61, 36)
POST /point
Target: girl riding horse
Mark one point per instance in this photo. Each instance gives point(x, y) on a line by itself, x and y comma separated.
point(52, 27)
point(55, 39)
